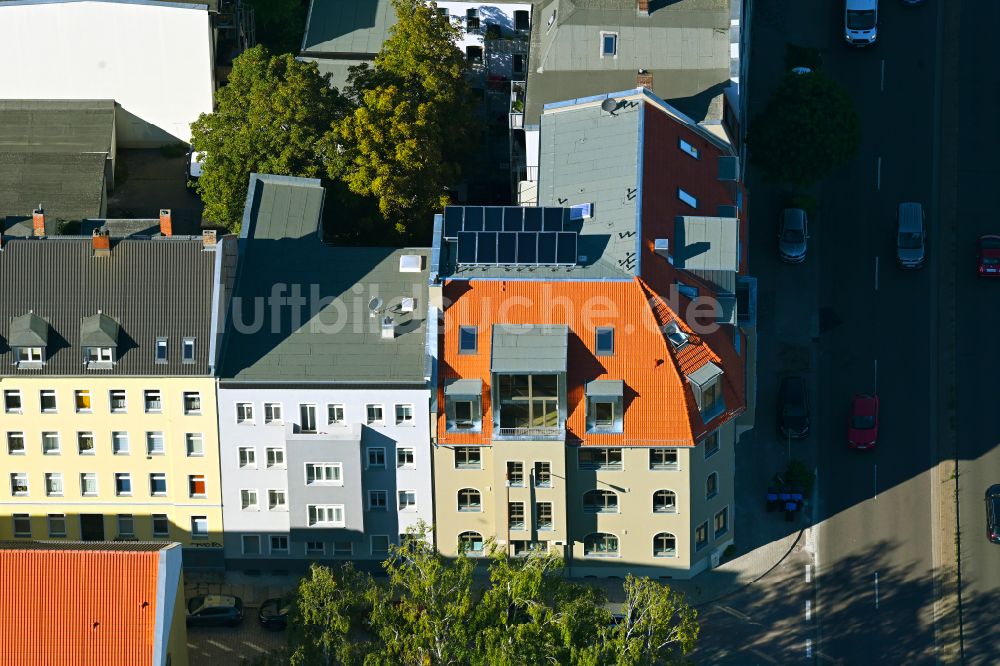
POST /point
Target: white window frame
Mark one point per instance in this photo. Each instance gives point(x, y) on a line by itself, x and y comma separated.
point(675, 508)
point(151, 437)
point(304, 409)
point(470, 508)
point(507, 475)
point(369, 413)
point(196, 531)
point(605, 34)
point(42, 394)
point(312, 550)
point(79, 393)
point(664, 466)
point(190, 487)
point(123, 519)
point(667, 556)
point(249, 493)
point(51, 436)
point(535, 475)
point(269, 457)
point(402, 451)
point(368, 457)
point(54, 484)
point(124, 438)
point(403, 419)
point(123, 477)
point(15, 477)
point(189, 439)
point(279, 550)
point(56, 517)
point(160, 355)
point(275, 506)
point(552, 517)
point(316, 515)
point(80, 437)
point(246, 457)
point(84, 477)
point(243, 544)
point(111, 401)
point(244, 413)
point(191, 394)
point(466, 450)
point(147, 399)
point(13, 435)
point(153, 475)
point(335, 414)
point(385, 499)
point(334, 478)
point(273, 413)
point(188, 345)
point(406, 506)
point(8, 397)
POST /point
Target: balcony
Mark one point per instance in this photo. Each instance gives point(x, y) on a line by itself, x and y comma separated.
point(517, 98)
point(531, 432)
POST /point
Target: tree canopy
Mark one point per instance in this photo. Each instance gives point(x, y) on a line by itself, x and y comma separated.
point(808, 129)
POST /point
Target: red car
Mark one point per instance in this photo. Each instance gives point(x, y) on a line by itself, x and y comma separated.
point(862, 429)
point(989, 256)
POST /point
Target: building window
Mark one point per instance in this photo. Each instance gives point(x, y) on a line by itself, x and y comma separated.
point(152, 401)
point(375, 415)
point(192, 402)
point(15, 443)
point(701, 536)
point(12, 402)
point(187, 350)
point(244, 412)
point(599, 458)
point(712, 485)
point(307, 418)
point(199, 527)
point(335, 414)
point(275, 457)
point(82, 401)
point(515, 474)
point(604, 415)
point(405, 458)
point(29, 355)
point(712, 444)
point(469, 499)
point(119, 443)
point(543, 515)
point(600, 501)
point(378, 500)
point(523, 548)
point(50, 443)
point(279, 544)
point(117, 401)
point(315, 548)
point(155, 444)
point(664, 501)
point(721, 522)
point(468, 340)
point(604, 342)
point(22, 525)
point(468, 457)
point(53, 484)
point(515, 515)
point(600, 544)
point(324, 474)
point(711, 400)
point(380, 544)
point(158, 484)
point(470, 543)
point(247, 457)
point(123, 484)
point(664, 545)
point(609, 44)
point(248, 500)
point(85, 443)
point(464, 414)
point(272, 412)
point(407, 500)
point(688, 148)
point(19, 483)
point(196, 485)
point(161, 525)
point(276, 500)
point(687, 198)
point(161, 350)
point(376, 458)
point(99, 358)
point(251, 544)
point(663, 459)
point(194, 443)
point(325, 515)
point(88, 484)
point(57, 524)
point(48, 401)
point(126, 525)
point(343, 549)
point(404, 414)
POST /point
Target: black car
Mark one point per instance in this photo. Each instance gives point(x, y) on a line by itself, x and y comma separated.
point(793, 408)
point(993, 513)
point(214, 610)
point(273, 613)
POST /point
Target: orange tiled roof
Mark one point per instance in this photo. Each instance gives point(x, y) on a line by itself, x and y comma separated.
point(77, 607)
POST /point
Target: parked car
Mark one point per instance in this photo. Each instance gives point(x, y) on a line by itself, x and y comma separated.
point(860, 22)
point(792, 235)
point(911, 235)
point(862, 428)
point(273, 613)
point(993, 513)
point(989, 255)
point(214, 610)
point(793, 408)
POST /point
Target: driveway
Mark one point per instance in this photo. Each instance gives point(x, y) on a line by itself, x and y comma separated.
point(147, 181)
point(232, 646)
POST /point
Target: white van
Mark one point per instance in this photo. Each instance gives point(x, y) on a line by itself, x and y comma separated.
point(860, 22)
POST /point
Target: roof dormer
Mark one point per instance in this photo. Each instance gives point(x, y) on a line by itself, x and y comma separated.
point(99, 340)
point(29, 338)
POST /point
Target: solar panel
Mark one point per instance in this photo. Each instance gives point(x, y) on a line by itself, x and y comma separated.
point(486, 248)
point(473, 218)
point(452, 221)
point(566, 248)
point(532, 219)
point(507, 247)
point(546, 247)
point(527, 248)
point(494, 218)
point(467, 247)
point(552, 220)
point(513, 218)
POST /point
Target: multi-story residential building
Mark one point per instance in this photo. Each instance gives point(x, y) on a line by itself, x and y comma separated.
point(593, 356)
point(324, 389)
point(108, 421)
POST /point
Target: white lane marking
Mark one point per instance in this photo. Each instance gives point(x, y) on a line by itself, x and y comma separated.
point(809, 573)
point(876, 377)
point(876, 272)
point(882, 86)
point(878, 175)
point(876, 481)
point(809, 610)
point(809, 648)
point(219, 645)
point(876, 589)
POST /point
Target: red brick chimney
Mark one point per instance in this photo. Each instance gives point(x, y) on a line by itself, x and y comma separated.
point(166, 225)
point(38, 221)
point(643, 6)
point(644, 79)
point(101, 243)
point(209, 238)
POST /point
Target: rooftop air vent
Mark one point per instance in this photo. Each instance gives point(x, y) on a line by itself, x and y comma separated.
point(411, 263)
point(406, 305)
point(388, 328)
point(677, 337)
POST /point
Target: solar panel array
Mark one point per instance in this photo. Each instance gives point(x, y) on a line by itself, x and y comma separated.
point(504, 219)
point(520, 248)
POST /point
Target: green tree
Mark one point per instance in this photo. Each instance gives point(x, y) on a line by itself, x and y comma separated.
point(270, 118)
point(279, 23)
point(321, 622)
point(406, 135)
point(808, 129)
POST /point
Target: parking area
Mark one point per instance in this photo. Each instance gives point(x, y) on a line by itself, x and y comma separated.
point(148, 180)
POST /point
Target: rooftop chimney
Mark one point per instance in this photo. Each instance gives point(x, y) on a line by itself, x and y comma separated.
point(101, 243)
point(643, 6)
point(209, 238)
point(166, 225)
point(644, 79)
point(38, 221)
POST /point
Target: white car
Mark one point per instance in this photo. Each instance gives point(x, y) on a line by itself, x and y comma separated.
point(860, 22)
point(194, 162)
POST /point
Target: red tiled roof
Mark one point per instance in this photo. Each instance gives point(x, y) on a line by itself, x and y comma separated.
point(76, 607)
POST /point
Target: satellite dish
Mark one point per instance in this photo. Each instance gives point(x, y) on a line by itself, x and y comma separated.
point(373, 306)
point(609, 105)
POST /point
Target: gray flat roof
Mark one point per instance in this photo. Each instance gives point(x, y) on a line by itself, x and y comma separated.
point(529, 348)
point(608, 388)
point(69, 186)
point(464, 387)
point(707, 243)
point(57, 126)
point(347, 26)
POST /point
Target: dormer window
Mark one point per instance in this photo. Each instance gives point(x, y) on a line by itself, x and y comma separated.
point(29, 336)
point(463, 405)
point(100, 355)
point(99, 339)
point(161, 350)
point(706, 382)
point(29, 355)
point(605, 404)
point(187, 350)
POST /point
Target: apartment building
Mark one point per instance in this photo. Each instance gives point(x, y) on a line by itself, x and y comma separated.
point(324, 390)
point(593, 353)
point(108, 423)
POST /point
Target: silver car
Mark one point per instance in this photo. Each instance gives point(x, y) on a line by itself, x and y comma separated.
point(793, 235)
point(911, 236)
